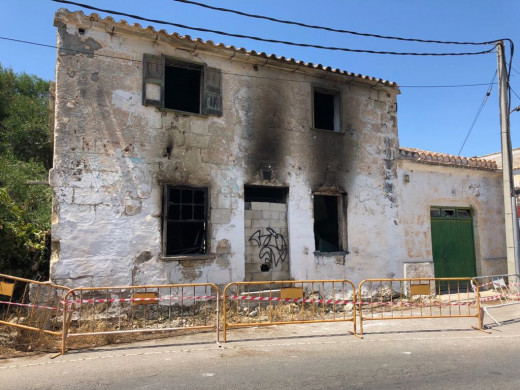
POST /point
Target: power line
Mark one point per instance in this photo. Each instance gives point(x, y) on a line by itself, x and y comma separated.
point(478, 112)
point(223, 72)
point(330, 28)
point(444, 86)
point(512, 90)
point(289, 43)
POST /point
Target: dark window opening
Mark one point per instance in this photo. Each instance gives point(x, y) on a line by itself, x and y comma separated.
point(326, 110)
point(448, 213)
point(452, 213)
point(182, 86)
point(265, 194)
point(326, 223)
point(186, 222)
point(465, 214)
point(435, 212)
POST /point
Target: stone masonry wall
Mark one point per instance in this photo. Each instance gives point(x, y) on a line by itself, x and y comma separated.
point(114, 155)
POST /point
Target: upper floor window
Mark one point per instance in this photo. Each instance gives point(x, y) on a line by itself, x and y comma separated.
point(181, 85)
point(330, 223)
point(326, 109)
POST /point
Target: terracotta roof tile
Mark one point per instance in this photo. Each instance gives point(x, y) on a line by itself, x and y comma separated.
point(64, 15)
point(445, 159)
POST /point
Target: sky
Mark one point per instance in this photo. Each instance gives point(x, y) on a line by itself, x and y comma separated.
point(429, 117)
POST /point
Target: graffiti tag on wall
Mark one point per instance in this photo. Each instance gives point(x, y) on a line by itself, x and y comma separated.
point(273, 247)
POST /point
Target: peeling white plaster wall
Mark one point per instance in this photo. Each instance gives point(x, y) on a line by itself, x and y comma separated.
point(437, 185)
point(111, 164)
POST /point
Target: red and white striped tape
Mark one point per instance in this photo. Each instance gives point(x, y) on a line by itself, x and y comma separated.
point(29, 305)
point(418, 304)
point(294, 300)
point(501, 296)
point(156, 299)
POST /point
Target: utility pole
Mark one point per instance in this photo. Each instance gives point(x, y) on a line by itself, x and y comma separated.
point(511, 218)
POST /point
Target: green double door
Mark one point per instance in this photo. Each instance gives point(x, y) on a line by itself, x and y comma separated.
point(453, 243)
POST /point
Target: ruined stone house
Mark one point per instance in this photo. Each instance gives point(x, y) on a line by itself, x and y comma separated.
point(179, 160)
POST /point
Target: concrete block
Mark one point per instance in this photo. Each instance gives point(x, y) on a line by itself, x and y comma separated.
point(259, 223)
point(260, 206)
point(278, 207)
point(257, 214)
point(280, 275)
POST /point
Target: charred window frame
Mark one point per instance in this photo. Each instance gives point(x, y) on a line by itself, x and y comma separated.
point(326, 109)
point(185, 221)
point(330, 233)
point(179, 85)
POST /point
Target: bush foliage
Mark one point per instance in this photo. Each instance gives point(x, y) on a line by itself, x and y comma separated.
point(25, 156)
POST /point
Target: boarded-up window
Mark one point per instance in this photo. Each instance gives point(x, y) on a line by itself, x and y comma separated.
point(181, 85)
point(185, 219)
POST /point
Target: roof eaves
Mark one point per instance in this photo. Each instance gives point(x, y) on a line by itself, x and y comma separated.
point(79, 18)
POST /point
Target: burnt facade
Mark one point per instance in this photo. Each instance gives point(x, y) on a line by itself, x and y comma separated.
point(178, 160)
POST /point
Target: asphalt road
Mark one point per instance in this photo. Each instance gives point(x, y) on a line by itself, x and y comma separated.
point(423, 354)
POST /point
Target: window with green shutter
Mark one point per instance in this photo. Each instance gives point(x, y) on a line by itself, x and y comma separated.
point(180, 85)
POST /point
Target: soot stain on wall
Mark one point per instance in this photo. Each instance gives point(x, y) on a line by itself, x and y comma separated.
point(266, 133)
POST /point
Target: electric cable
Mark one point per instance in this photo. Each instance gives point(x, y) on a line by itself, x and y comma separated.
point(289, 43)
point(488, 93)
point(223, 72)
point(512, 90)
point(300, 24)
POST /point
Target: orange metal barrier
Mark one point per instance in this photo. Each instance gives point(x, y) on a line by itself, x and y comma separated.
point(287, 302)
point(392, 299)
point(140, 309)
point(31, 305)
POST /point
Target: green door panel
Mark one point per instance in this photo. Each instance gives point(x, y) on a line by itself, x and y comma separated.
point(453, 246)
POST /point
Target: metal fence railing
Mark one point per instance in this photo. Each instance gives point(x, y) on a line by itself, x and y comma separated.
point(498, 291)
point(31, 305)
point(287, 302)
point(392, 299)
point(140, 309)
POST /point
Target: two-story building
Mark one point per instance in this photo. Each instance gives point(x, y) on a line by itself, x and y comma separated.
point(179, 160)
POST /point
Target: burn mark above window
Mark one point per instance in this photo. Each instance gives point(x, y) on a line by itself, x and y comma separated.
point(185, 221)
point(181, 85)
point(326, 110)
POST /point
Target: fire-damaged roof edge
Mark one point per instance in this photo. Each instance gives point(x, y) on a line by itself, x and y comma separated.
point(88, 21)
point(427, 157)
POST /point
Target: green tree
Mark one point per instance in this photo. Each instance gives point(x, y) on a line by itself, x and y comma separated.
point(24, 102)
point(25, 156)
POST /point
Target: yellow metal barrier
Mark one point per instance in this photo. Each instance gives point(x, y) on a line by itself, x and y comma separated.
point(287, 302)
point(140, 309)
point(31, 305)
point(392, 299)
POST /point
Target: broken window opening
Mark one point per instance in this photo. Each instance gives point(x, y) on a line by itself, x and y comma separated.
point(185, 221)
point(182, 86)
point(327, 223)
point(169, 83)
point(326, 110)
point(265, 194)
point(448, 213)
point(452, 213)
